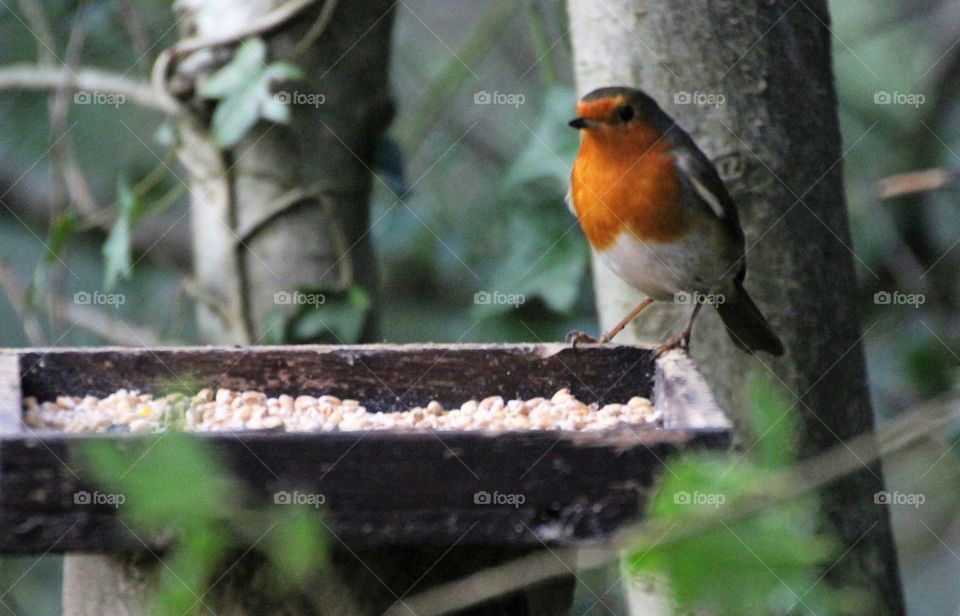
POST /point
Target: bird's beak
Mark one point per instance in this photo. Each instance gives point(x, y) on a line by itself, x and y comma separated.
point(578, 123)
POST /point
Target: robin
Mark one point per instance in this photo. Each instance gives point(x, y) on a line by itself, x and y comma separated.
point(654, 208)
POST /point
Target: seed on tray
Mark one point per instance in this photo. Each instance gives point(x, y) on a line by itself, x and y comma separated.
point(131, 411)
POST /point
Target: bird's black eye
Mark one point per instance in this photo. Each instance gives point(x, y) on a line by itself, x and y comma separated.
point(625, 113)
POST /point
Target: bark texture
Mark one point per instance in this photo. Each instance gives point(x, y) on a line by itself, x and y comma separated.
point(776, 141)
point(287, 207)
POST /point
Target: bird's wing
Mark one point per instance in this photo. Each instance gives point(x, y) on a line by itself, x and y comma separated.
point(703, 182)
point(702, 178)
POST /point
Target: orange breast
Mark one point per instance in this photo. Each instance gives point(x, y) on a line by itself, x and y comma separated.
point(627, 181)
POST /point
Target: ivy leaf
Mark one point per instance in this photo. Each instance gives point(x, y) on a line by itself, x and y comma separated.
point(321, 316)
point(117, 250)
point(545, 162)
point(546, 259)
point(546, 256)
point(242, 87)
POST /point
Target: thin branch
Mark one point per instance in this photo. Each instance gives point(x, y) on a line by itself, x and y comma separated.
point(25, 76)
point(916, 181)
point(930, 419)
point(41, 30)
point(91, 319)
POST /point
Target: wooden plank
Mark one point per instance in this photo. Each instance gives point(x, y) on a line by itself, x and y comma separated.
point(384, 377)
point(389, 488)
point(381, 488)
point(11, 403)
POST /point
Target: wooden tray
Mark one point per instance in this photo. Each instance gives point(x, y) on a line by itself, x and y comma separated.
point(380, 487)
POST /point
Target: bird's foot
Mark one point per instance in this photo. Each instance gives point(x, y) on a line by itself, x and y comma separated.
point(680, 341)
point(576, 337)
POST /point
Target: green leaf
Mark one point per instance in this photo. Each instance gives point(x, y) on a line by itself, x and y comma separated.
point(62, 229)
point(772, 426)
point(171, 479)
point(245, 66)
point(753, 565)
point(546, 255)
point(546, 258)
point(545, 162)
point(297, 545)
point(242, 87)
point(339, 318)
point(118, 249)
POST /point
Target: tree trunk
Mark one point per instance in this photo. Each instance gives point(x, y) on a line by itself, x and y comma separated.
point(776, 140)
point(286, 208)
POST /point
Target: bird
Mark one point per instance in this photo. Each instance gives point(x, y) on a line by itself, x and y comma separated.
point(656, 211)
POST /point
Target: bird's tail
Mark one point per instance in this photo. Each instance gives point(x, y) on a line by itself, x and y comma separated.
point(746, 325)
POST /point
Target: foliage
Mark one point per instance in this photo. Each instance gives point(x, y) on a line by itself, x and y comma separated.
point(173, 484)
point(242, 89)
point(546, 255)
point(768, 562)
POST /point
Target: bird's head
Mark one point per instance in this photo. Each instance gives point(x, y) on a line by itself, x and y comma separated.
point(618, 109)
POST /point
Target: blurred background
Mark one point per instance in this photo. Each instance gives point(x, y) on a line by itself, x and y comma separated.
point(480, 152)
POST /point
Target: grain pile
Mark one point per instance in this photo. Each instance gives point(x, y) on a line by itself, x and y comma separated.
point(131, 411)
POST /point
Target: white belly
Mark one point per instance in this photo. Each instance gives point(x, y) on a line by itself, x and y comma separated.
point(660, 270)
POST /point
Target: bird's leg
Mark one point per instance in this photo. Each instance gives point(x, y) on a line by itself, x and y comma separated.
point(683, 338)
point(607, 337)
point(577, 337)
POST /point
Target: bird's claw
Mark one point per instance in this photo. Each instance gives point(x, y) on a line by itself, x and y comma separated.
point(574, 338)
point(677, 342)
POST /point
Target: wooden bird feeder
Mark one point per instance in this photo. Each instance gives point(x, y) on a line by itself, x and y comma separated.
point(401, 488)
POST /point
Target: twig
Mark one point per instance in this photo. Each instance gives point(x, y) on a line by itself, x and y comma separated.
point(91, 319)
point(134, 26)
point(26, 76)
point(41, 30)
point(274, 19)
point(916, 181)
point(269, 21)
point(316, 30)
point(805, 477)
point(436, 97)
